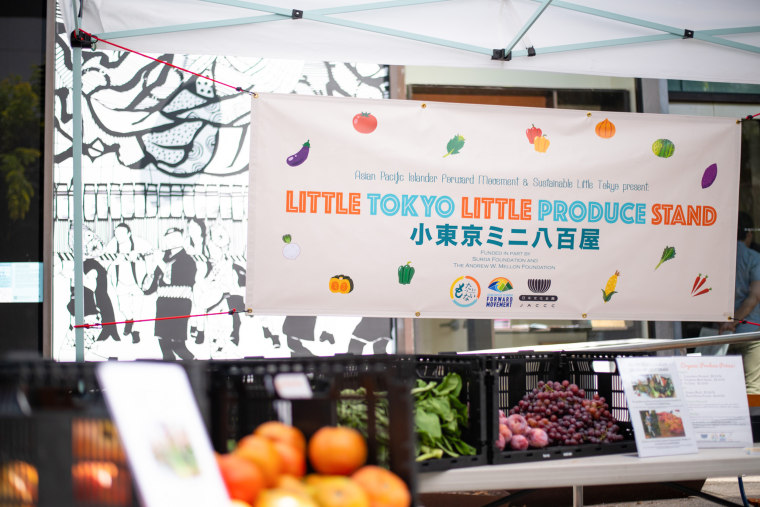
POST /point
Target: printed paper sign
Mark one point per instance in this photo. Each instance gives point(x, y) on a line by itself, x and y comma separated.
point(163, 434)
point(657, 404)
point(717, 398)
point(402, 208)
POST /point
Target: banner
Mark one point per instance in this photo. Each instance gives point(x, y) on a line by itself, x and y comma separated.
point(413, 209)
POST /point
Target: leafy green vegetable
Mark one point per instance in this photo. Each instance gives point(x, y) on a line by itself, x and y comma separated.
point(455, 144)
point(667, 254)
point(352, 412)
point(439, 416)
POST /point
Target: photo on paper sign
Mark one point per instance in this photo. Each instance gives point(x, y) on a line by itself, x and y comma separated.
point(662, 424)
point(655, 386)
point(172, 448)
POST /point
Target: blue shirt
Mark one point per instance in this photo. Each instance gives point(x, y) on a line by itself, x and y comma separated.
point(747, 271)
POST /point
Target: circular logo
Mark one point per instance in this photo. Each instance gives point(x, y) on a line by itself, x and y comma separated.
point(465, 291)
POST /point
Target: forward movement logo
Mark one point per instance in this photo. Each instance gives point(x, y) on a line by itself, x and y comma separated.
point(499, 285)
point(538, 287)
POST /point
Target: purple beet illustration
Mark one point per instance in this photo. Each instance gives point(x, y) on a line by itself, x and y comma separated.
point(708, 177)
point(300, 157)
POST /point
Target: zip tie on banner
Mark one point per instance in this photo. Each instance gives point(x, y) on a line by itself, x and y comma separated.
point(748, 117)
point(101, 324)
point(95, 37)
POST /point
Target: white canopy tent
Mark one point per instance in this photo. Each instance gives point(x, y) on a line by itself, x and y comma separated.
point(701, 40)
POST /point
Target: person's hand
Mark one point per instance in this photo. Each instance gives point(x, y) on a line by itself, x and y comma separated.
point(727, 327)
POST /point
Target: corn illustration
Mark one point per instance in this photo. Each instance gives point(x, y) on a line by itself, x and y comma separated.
point(609, 289)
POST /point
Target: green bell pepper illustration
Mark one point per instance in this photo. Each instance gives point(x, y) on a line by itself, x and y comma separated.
point(405, 273)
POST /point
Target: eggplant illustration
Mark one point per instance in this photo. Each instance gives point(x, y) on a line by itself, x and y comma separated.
point(300, 157)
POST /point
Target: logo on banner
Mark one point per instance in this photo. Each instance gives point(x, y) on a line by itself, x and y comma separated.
point(499, 285)
point(465, 291)
point(539, 287)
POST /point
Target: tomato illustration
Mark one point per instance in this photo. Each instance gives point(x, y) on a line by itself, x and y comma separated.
point(365, 123)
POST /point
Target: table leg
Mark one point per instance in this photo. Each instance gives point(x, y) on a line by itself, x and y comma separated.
point(577, 496)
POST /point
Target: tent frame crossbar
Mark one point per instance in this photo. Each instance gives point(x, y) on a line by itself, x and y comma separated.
point(703, 35)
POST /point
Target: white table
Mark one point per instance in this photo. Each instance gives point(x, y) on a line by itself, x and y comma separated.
point(593, 471)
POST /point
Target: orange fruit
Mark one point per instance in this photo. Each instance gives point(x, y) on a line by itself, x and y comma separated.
point(96, 439)
point(262, 452)
point(101, 482)
point(19, 481)
point(338, 491)
point(337, 450)
point(292, 461)
point(239, 503)
point(281, 432)
point(384, 488)
point(243, 479)
point(284, 498)
point(292, 484)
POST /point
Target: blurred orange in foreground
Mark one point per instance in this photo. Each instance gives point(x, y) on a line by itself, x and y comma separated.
point(337, 491)
point(280, 432)
point(101, 482)
point(243, 479)
point(284, 498)
point(19, 481)
point(337, 450)
point(292, 461)
point(262, 452)
point(384, 488)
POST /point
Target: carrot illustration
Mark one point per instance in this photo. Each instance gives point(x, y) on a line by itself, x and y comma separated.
point(704, 291)
point(696, 281)
point(700, 285)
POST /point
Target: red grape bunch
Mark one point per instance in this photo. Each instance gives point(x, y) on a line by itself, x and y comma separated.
point(562, 410)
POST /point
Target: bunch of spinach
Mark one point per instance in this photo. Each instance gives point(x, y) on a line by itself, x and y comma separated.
point(439, 417)
point(352, 411)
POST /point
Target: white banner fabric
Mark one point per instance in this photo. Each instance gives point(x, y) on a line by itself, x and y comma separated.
point(404, 208)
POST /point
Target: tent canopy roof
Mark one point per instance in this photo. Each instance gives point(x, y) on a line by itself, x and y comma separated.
point(700, 40)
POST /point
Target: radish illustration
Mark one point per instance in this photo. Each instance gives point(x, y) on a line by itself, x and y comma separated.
point(300, 157)
point(291, 250)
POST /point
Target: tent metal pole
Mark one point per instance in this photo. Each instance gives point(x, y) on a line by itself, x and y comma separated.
point(76, 188)
point(521, 33)
point(76, 58)
point(703, 35)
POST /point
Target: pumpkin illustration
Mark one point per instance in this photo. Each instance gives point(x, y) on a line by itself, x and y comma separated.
point(605, 129)
point(663, 148)
point(541, 144)
point(341, 284)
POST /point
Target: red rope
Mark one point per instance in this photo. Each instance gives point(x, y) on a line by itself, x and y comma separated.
point(236, 88)
point(157, 318)
point(742, 321)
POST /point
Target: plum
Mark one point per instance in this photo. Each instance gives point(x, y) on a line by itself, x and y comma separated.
point(517, 424)
point(518, 442)
point(538, 438)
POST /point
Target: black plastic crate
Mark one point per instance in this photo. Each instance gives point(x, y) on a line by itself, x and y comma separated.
point(56, 433)
point(242, 396)
point(473, 394)
point(511, 376)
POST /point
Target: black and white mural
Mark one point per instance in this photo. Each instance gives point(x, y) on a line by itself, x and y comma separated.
point(165, 172)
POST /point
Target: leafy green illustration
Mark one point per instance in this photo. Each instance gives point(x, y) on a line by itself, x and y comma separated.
point(667, 254)
point(455, 144)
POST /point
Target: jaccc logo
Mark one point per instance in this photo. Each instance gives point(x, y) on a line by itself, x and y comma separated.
point(539, 299)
